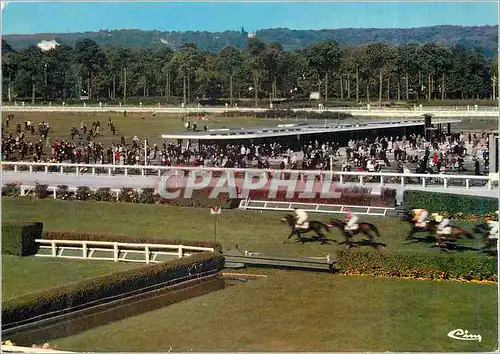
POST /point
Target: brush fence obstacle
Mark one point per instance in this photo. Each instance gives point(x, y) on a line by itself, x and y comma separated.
point(249, 204)
point(116, 251)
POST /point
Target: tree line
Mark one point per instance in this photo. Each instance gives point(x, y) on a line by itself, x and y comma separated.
point(375, 72)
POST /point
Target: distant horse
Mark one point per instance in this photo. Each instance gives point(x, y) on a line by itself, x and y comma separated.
point(364, 228)
point(315, 226)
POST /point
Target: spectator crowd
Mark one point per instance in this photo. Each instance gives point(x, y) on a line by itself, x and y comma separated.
point(445, 153)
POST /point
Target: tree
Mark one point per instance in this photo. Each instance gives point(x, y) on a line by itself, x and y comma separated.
point(324, 58)
point(255, 61)
point(230, 64)
point(91, 57)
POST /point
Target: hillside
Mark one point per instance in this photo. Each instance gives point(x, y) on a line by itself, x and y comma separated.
point(485, 37)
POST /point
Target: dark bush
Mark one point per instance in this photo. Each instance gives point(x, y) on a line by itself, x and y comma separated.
point(18, 239)
point(83, 193)
point(128, 195)
point(41, 191)
point(417, 265)
point(104, 195)
point(63, 193)
point(98, 288)
point(148, 196)
point(11, 190)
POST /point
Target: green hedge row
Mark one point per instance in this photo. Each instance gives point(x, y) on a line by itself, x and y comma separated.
point(408, 265)
point(94, 289)
point(80, 236)
point(450, 203)
point(18, 239)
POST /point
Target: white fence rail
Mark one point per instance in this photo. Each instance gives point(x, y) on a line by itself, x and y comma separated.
point(117, 251)
point(17, 349)
point(249, 204)
point(382, 178)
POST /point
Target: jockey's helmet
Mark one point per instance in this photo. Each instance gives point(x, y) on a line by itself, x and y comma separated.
point(488, 219)
point(438, 218)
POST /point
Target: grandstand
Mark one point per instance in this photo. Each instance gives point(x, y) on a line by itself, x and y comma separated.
point(296, 134)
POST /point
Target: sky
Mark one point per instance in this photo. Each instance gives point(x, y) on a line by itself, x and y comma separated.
point(59, 17)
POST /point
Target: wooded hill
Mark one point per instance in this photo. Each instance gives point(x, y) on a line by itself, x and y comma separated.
point(485, 37)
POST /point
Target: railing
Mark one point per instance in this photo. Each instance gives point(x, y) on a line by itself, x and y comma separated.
point(16, 349)
point(381, 178)
point(119, 250)
point(249, 204)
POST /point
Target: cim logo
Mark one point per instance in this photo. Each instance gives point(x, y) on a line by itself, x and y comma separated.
point(461, 334)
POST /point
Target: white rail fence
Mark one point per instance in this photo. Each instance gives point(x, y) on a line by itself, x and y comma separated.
point(115, 251)
point(382, 178)
point(17, 349)
point(250, 204)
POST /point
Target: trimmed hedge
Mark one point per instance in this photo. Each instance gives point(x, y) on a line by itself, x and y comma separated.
point(83, 236)
point(428, 266)
point(449, 203)
point(94, 289)
point(18, 239)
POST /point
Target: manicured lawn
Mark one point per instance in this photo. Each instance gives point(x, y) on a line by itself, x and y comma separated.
point(24, 275)
point(303, 311)
point(250, 230)
point(289, 310)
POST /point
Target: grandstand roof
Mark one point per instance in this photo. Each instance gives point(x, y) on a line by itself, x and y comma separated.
point(299, 129)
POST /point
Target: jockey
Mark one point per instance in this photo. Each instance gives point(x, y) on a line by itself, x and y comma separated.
point(301, 217)
point(351, 220)
point(420, 217)
point(444, 224)
point(493, 226)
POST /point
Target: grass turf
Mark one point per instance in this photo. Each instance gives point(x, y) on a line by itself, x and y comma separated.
point(302, 311)
point(288, 311)
point(25, 275)
point(250, 230)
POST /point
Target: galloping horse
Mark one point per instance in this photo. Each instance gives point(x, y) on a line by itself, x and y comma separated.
point(365, 228)
point(431, 226)
point(315, 226)
point(483, 229)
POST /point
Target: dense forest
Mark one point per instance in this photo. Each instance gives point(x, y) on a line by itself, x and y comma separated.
point(485, 37)
point(366, 73)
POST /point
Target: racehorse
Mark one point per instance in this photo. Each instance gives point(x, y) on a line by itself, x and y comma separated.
point(431, 226)
point(483, 229)
point(364, 228)
point(315, 226)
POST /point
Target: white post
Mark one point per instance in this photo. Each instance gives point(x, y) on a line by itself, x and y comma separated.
point(84, 249)
point(15, 168)
point(62, 170)
point(423, 181)
point(445, 182)
point(180, 251)
point(467, 184)
point(115, 248)
point(126, 171)
point(54, 248)
point(341, 179)
point(145, 153)
point(93, 171)
point(361, 180)
point(54, 192)
point(146, 249)
point(46, 169)
point(490, 186)
point(31, 169)
point(382, 181)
